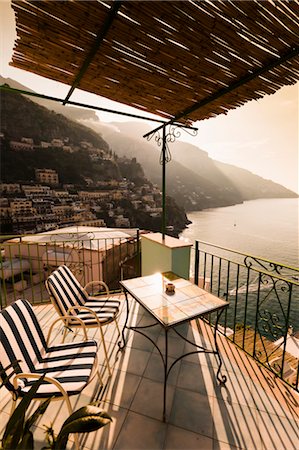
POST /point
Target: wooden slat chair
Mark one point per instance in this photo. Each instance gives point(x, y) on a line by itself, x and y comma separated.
point(71, 299)
point(68, 367)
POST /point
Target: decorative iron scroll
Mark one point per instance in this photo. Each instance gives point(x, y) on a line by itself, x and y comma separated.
point(291, 273)
point(271, 324)
point(173, 132)
point(275, 322)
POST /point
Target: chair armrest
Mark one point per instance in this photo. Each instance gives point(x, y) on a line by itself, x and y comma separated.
point(37, 376)
point(98, 283)
point(66, 318)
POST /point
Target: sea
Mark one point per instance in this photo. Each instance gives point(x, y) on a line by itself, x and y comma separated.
point(266, 228)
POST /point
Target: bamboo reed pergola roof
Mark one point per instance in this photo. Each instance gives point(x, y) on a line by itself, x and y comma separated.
point(183, 60)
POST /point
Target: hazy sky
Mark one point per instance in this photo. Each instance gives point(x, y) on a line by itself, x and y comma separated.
point(261, 136)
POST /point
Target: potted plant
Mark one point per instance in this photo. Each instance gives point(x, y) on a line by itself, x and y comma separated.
point(18, 434)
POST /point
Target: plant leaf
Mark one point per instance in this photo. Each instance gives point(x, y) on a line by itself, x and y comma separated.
point(85, 411)
point(86, 419)
point(50, 436)
point(27, 441)
point(15, 426)
point(38, 412)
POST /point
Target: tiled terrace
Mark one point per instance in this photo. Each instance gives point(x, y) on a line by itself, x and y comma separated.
point(252, 411)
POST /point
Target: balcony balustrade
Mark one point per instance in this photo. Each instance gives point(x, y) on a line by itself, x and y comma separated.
point(262, 318)
point(27, 260)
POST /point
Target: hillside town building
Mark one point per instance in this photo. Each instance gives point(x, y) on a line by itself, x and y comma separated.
point(48, 176)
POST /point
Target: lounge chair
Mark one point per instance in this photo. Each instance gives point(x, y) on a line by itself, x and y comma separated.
point(71, 299)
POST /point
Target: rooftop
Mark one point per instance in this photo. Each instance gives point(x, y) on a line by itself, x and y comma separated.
point(83, 234)
point(253, 410)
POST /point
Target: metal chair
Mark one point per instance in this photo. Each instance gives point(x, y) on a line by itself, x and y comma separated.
point(26, 355)
point(72, 300)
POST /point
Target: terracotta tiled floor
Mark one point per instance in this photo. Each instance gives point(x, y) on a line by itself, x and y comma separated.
point(252, 411)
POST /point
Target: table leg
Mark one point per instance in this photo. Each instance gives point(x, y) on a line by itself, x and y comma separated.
point(221, 378)
point(163, 357)
point(165, 374)
point(122, 343)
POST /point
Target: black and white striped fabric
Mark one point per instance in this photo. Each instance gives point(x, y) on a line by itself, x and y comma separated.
point(67, 292)
point(21, 338)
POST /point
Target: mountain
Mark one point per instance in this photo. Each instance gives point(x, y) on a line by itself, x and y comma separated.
point(71, 112)
point(194, 179)
point(20, 117)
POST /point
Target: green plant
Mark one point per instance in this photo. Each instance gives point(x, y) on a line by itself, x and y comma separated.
point(84, 420)
point(18, 434)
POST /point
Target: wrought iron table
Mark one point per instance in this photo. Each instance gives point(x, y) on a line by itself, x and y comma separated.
point(188, 302)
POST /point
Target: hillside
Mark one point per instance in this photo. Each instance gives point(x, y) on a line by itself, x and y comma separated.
point(252, 186)
point(69, 111)
point(19, 167)
point(84, 160)
point(20, 117)
point(248, 185)
point(194, 179)
point(191, 190)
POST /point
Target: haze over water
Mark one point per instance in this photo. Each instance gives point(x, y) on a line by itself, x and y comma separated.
point(265, 228)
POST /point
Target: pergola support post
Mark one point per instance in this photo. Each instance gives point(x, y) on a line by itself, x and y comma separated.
point(164, 183)
point(169, 134)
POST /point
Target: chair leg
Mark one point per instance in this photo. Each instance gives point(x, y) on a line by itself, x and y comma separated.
point(105, 350)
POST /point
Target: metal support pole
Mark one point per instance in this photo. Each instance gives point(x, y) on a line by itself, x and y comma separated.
point(164, 183)
point(168, 136)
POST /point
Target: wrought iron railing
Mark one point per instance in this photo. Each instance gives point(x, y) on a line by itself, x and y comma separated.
point(26, 261)
point(263, 316)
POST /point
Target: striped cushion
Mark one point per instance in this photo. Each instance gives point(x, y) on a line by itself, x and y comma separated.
point(66, 289)
point(21, 338)
point(105, 310)
point(67, 292)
